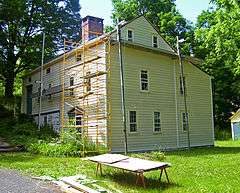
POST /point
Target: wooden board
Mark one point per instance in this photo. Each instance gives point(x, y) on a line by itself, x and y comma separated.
point(136, 164)
point(108, 158)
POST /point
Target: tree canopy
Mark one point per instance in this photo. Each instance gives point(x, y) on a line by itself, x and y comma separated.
point(218, 42)
point(215, 39)
point(22, 23)
point(162, 13)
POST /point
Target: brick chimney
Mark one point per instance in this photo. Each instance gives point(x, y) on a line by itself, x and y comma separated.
point(92, 27)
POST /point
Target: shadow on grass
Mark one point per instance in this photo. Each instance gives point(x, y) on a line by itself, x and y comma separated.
point(203, 151)
point(128, 180)
point(16, 157)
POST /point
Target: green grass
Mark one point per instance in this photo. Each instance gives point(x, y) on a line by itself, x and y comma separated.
point(214, 169)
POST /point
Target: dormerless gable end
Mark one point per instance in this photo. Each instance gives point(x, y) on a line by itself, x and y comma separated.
point(144, 33)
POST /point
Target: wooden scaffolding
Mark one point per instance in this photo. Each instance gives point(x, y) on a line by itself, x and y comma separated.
point(86, 95)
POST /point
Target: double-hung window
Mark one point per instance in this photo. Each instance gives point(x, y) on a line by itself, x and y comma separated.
point(48, 70)
point(185, 121)
point(155, 41)
point(71, 84)
point(133, 121)
point(129, 35)
point(157, 122)
point(79, 57)
point(144, 80)
point(182, 85)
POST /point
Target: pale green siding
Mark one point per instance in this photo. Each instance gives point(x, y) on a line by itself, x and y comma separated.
point(162, 97)
point(199, 104)
point(143, 33)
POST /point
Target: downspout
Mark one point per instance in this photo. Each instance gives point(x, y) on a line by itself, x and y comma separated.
point(176, 104)
point(123, 106)
point(184, 93)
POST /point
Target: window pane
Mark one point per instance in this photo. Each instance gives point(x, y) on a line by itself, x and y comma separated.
point(144, 86)
point(157, 124)
point(78, 57)
point(184, 121)
point(144, 80)
point(155, 42)
point(133, 121)
point(182, 87)
point(71, 81)
point(130, 35)
point(48, 70)
point(133, 127)
point(78, 120)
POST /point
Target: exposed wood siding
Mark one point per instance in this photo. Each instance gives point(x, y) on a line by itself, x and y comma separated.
point(95, 63)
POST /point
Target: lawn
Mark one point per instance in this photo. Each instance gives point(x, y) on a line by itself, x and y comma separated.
point(215, 169)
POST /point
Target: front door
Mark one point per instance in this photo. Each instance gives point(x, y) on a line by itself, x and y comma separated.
point(29, 99)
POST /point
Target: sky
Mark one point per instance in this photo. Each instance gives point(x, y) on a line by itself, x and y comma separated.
point(190, 9)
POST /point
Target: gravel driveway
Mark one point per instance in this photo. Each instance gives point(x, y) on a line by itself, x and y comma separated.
point(13, 182)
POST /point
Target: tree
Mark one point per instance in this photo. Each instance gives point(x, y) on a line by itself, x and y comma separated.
point(21, 25)
point(218, 43)
point(161, 13)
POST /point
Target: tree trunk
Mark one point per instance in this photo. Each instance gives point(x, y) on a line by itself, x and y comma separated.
point(9, 86)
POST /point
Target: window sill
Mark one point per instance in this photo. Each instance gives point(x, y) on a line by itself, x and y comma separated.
point(144, 91)
point(157, 132)
point(136, 133)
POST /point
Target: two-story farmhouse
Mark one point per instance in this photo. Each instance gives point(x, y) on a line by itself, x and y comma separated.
point(82, 89)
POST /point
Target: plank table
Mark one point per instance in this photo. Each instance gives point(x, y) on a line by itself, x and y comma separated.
point(135, 165)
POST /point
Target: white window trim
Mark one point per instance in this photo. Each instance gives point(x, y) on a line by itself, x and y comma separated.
point(157, 41)
point(132, 35)
point(131, 132)
point(154, 122)
point(140, 80)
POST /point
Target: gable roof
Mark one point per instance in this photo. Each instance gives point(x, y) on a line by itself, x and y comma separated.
point(235, 115)
point(76, 111)
point(192, 60)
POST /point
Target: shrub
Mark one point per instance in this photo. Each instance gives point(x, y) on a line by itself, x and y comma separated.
point(26, 129)
point(222, 134)
point(22, 130)
point(46, 132)
point(54, 149)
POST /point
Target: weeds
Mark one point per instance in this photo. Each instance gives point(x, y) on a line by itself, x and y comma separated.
point(23, 131)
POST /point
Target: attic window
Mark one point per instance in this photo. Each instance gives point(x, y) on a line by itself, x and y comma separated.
point(130, 35)
point(48, 70)
point(78, 57)
point(155, 41)
point(71, 84)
